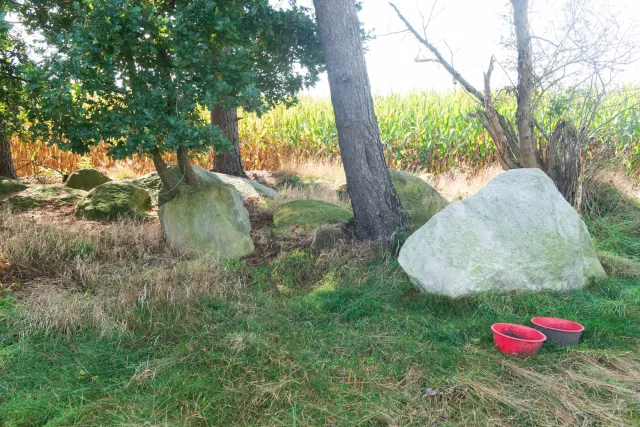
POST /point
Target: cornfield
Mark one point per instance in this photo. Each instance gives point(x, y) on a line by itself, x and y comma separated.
point(425, 131)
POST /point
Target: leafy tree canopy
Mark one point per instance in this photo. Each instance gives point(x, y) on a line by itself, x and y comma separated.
point(13, 64)
point(136, 74)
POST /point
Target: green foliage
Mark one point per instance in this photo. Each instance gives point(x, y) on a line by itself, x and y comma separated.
point(137, 74)
point(14, 98)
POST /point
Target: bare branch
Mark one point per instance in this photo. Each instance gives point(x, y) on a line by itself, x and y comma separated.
point(544, 40)
point(454, 73)
point(391, 33)
point(540, 128)
point(426, 60)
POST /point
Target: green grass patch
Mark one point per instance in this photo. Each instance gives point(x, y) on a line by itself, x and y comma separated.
point(334, 337)
point(358, 347)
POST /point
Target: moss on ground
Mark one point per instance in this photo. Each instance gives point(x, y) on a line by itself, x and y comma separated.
point(308, 214)
point(8, 186)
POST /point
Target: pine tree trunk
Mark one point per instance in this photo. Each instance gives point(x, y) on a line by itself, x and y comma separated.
point(376, 206)
point(525, 83)
point(228, 162)
point(7, 168)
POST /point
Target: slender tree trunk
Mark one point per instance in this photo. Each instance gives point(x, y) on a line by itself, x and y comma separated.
point(229, 162)
point(376, 206)
point(167, 179)
point(7, 168)
point(185, 166)
point(525, 83)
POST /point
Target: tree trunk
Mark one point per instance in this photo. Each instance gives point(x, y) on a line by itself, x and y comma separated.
point(165, 176)
point(228, 162)
point(525, 83)
point(7, 168)
point(564, 162)
point(185, 166)
point(500, 129)
point(376, 207)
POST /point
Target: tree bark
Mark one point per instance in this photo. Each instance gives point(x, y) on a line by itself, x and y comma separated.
point(525, 83)
point(7, 169)
point(165, 176)
point(564, 162)
point(376, 207)
point(185, 166)
point(228, 162)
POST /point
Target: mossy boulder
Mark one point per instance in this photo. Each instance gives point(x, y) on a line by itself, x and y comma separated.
point(419, 199)
point(114, 200)
point(37, 195)
point(516, 234)
point(8, 186)
point(210, 220)
point(246, 187)
point(203, 178)
point(150, 182)
point(86, 179)
point(308, 214)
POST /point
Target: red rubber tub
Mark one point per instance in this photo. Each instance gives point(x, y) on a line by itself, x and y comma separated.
point(517, 339)
point(560, 331)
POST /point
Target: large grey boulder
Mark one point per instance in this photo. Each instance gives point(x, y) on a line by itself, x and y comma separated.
point(209, 220)
point(114, 200)
point(419, 199)
point(86, 179)
point(517, 233)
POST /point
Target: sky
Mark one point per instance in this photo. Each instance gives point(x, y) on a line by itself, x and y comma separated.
point(472, 29)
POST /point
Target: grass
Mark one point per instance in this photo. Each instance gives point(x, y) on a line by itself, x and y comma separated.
point(108, 327)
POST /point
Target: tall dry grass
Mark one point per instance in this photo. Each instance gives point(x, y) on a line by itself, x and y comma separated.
point(582, 390)
point(78, 276)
